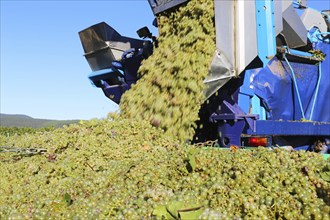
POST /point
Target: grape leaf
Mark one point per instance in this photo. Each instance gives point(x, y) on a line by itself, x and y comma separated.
point(173, 208)
point(161, 213)
point(67, 199)
point(325, 176)
point(190, 214)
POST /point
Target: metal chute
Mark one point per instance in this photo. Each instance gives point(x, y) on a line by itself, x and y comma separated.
point(159, 6)
point(103, 44)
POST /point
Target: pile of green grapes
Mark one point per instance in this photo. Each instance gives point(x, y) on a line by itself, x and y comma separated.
point(137, 165)
point(170, 92)
point(125, 169)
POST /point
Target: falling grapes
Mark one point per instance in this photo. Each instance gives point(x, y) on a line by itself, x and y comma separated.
point(170, 92)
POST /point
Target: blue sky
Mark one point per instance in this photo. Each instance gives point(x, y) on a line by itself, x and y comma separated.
point(43, 71)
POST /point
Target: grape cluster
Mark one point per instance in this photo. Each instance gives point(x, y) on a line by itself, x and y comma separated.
point(101, 164)
point(124, 169)
point(136, 165)
point(170, 92)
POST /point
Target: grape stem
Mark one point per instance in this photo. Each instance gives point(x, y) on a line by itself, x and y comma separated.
point(190, 209)
point(89, 166)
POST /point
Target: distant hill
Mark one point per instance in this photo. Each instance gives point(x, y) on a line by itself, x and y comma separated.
point(9, 120)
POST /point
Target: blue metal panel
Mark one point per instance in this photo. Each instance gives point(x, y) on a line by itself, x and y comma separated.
point(245, 93)
point(114, 92)
point(98, 77)
point(247, 100)
point(244, 102)
point(265, 30)
point(321, 100)
point(257, 109)
point(102, 73)
point(297, 94)
point(288, 128)
point(274, 84)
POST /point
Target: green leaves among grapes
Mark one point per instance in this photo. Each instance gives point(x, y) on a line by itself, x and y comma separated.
point(325, 172)
point(67, 199)
point(123, 167)
point(191, 159)
point(192, 213)
point(160, 212)
point(178, 210)
point(136, 171)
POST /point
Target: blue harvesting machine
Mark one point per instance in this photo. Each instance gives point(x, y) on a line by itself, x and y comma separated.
point(270, 71)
